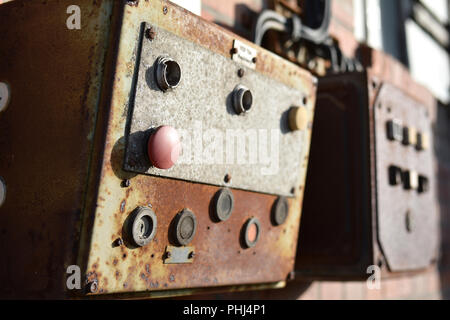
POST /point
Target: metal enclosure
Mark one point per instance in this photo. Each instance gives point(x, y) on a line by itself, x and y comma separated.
point(73, 197)
point(368, 219)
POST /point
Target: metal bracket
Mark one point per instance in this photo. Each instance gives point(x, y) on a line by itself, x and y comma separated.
point(179, 255)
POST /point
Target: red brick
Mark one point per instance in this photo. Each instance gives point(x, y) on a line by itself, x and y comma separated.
point(347, 42)
point(355, 290)
point(394, 289)
point(227, 8)
point(343, 11)
point(331, 290)
point(433, 282)
point(373, 294)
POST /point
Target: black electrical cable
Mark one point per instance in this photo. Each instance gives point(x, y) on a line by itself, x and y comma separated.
point(271, 20)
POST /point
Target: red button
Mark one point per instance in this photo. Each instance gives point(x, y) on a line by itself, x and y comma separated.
point(252, 232)
point(164, 147)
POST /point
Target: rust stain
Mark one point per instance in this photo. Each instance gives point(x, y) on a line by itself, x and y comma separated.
point(217, 244)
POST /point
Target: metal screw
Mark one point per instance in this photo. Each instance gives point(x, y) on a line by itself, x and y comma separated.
point(92, 286)
point(118, 242)
point(305, 101)
point(254, 60)
point(374, 84)
point(168, 254)
point(126, 183)
point(150, 33)
point(234, 51)
point(227, 178)
point(191, 255)
point(241, 73)
point(165, 10)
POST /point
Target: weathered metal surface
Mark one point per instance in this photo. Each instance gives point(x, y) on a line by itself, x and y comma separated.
point(177, 255)
point(257, 149)
point(406, 246)
point(220, 258)
point(46, 136)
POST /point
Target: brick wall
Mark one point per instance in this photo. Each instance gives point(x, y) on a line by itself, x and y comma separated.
point(434, 284)
point(237, 16)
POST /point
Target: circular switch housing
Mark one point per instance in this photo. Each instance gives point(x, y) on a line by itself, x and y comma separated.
point(168, 73)
point(164, 147)
point(4, 96)
point(242, 99)
point(143, 224)
point(185, 227)
point(2, 191)
point(223, 204)
point(252, 231)
point(280, 211)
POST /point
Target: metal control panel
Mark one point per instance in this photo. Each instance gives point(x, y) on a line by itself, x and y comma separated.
point(407, 220)
point(222, 133)
point(175, 213)
point(94, 180)
point(381, 209)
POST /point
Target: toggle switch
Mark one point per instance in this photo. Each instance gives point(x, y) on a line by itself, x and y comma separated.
point(395, 176)
point(411, 180)
point(164, 147)
point(395, 130)
point(409, 136)
point(424, 184)
point(423, 142)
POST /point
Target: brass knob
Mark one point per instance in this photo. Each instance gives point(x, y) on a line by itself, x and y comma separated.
point(298, 118)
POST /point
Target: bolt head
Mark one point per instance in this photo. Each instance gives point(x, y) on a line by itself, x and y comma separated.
point(150, 34)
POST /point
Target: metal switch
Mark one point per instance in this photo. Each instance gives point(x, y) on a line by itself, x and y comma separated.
point(409, 136)
point(424, 184)
point(395, 175)
point(411, 180)
point(395, 130)
point(423, 142)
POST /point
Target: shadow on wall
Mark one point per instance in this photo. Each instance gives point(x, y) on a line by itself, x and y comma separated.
point(442, 150)
point(293, 291)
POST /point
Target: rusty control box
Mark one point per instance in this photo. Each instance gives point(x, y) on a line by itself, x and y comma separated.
point(370, 199)
point(157, 152)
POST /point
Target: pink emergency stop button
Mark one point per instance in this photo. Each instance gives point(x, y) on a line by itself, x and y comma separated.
point(164, 147)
